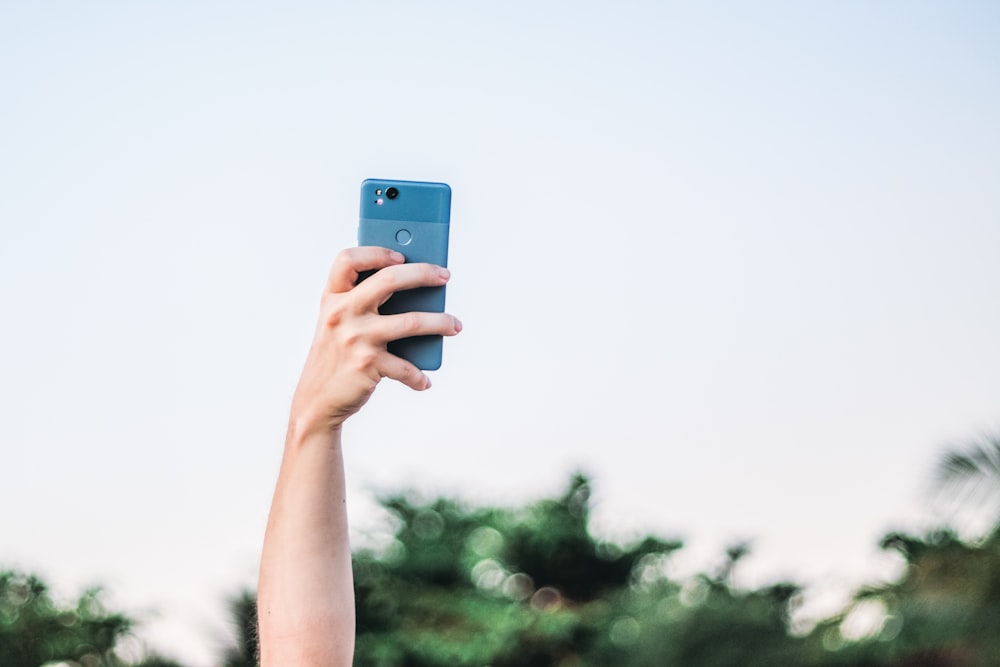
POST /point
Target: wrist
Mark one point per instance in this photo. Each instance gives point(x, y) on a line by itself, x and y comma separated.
point(306, 429)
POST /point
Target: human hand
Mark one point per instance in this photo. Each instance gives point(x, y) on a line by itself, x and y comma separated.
point(348, 356)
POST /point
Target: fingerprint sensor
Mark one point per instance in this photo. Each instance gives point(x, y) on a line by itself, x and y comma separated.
point(403, 237)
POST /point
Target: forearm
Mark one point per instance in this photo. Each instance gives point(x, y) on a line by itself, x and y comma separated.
point(305, 601)
point(306, 592)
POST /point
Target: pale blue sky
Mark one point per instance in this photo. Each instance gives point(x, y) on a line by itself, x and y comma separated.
point(738, 262)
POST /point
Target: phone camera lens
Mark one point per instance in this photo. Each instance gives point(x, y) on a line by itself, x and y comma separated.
point(391, 193)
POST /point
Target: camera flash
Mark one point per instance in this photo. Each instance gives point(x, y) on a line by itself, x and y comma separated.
point(378, 192)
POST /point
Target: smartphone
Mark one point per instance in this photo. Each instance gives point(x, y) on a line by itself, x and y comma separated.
point(414, 218)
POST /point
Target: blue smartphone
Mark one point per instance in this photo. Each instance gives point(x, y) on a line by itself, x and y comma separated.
point(414, 218)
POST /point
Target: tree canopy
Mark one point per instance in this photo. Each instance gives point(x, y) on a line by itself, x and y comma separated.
point(455, 585)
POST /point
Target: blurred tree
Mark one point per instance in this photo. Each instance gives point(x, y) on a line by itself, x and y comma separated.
point(704, 622)
point(243, 615)
point(971, 478)
point(948, 602)
point(34, 630)
point(460, 586)
point(944, 611)
point(533, 587)
point(157, 661)
point(552, 544)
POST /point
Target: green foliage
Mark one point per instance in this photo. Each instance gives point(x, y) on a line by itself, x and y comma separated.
point(978, 461)
point(945, 610)
point(970, 477)
point(158, 661)
point(703, 622)
point(243, 614)
point(35, 630)
point(553, 545)
point(462, 586)
point(949, 597)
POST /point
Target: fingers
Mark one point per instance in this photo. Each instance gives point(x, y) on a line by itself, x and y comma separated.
point(351, 308)
point(375, 291)
point(395, 368)
point(350, 262)
point(404, 325)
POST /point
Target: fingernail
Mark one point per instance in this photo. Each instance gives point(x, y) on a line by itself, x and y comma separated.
point(458, 325)
point(444, 273)
point(396, 256)
point(427, 382)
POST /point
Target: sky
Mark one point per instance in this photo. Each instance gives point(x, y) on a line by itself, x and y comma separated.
point(736, 261)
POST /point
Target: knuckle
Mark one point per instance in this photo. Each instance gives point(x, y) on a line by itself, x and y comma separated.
point(411, 323)
point(395, 277)
point(408, 373)
point(343, 256)
point(366, 359)
point(350, 338)
point(382, 281)
point(334, 312)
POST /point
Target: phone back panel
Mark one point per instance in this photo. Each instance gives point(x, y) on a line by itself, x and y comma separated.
point(416, 223)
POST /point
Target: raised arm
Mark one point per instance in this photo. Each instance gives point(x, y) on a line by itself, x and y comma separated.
point(306, 591)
